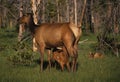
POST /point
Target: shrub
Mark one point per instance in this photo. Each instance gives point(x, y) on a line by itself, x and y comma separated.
point(23, 55)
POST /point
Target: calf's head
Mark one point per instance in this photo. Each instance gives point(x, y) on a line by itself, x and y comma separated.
point(57, 55)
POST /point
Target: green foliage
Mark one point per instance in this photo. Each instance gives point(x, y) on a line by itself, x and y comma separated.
point(108, 40)
point(51, 9)
point(23, 55)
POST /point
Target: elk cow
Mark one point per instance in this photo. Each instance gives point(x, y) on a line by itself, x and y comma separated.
point(51, 36)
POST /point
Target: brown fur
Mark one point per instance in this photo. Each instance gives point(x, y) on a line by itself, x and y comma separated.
point(77, 31)
point(61, 58)
point(52, 35)
point(95, 55)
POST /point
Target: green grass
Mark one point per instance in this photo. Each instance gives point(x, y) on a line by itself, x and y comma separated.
point(106, 69)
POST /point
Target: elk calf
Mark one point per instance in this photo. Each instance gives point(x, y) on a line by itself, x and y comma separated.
point(95, 55)
point(62, 58)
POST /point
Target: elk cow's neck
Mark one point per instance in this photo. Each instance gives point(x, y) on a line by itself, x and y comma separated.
point(31, 25)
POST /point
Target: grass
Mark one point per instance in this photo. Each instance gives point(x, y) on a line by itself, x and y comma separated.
point(106, 69)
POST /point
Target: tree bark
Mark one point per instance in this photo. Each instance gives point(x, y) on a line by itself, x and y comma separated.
point(68, 13)
point(75, 6)
point(89, 27)
point(58, 11)
point(35, 4)
point(0, 21)
point(21, 26)
point(82, 14)
point(43, 11)
point(71, 12)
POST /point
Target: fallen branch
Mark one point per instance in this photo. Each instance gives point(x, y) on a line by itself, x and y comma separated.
point(107, 44)
point(83, 41)
point(115, 51)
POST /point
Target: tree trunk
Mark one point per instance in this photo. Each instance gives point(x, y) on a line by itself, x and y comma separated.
point(67, 13)
point(82, 14)
point(116, 20)
point(88, 17)
point(96, 22)
point(21, 26)
point(35, 4)
point(71, 12)
point(75, 6)
point(43, 11)
point(11, 23)
point(0, 21)
point(58, 11)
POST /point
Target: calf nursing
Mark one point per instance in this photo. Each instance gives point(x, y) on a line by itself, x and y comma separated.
point(61, 57)
point(51, 36)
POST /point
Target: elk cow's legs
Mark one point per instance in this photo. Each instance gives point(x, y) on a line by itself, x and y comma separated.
point(41, 49)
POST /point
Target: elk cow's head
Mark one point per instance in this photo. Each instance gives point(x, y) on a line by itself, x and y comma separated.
point(25, 19)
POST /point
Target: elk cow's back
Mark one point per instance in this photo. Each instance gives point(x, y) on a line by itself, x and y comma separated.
point(58, 32)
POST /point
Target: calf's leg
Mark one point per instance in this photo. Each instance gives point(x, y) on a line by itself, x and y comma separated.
point(73, 53)
point(62, 66)
point(68, 66)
